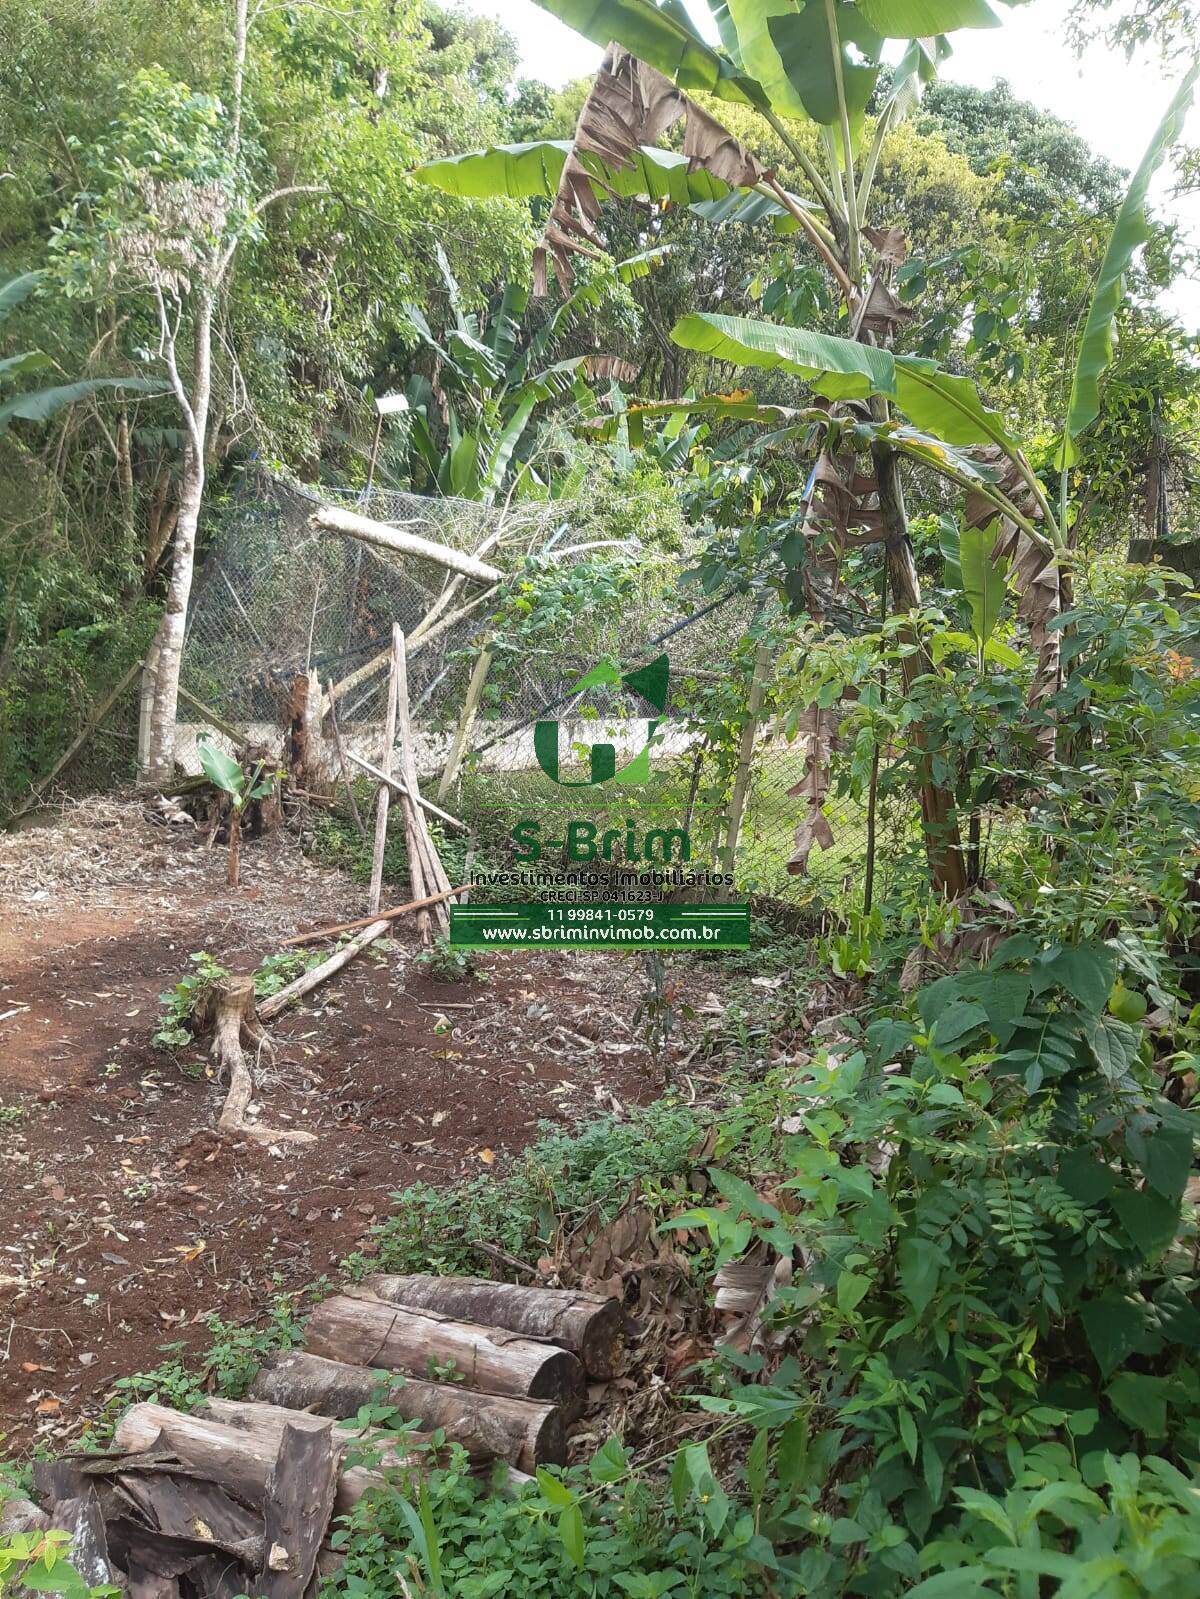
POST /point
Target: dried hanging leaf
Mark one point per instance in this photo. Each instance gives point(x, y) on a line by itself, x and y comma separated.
point(629, 104)
point(819, 726)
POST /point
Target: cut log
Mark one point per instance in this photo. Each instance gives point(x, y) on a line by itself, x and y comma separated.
point(590, 1326)
point(367, 1332)
point(488, 1426)
point(300, 1495)
point(240, 1457)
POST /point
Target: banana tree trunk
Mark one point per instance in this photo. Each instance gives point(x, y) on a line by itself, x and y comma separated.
point(939, 821)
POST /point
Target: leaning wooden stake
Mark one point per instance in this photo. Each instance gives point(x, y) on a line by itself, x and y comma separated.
point(310, 979)
point(425, 866)
point(488, 1426)
point(590, 1325)
point(381, 804)
point(366, 1332)
point(466, 721)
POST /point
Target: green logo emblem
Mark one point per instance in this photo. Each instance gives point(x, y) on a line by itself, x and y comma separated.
point(648, 681)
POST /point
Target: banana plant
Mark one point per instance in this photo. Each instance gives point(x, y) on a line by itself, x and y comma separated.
point(817, 62)
point(467, 422)
point(39, 405)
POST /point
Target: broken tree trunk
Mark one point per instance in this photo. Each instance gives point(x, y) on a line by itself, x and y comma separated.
point(331, 519)
point(317, 975)
point(228, 1008)
point(384, 799)
point(301, 1491)
point(240, 1457)
point(367, 1332)
point(588, 1325)
point(488, 1426)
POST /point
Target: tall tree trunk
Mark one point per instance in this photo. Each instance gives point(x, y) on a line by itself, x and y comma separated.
point(169, 640)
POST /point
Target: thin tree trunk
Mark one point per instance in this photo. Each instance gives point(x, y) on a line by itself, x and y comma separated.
point(169, 640)
point(943, 845)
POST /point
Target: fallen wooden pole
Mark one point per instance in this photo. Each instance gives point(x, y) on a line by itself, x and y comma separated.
point(488, 1426)
point(589, 1325)
point(319, 933)
point(398, 787)
point(367, 1332)
point(332, 519)
point(310, 979)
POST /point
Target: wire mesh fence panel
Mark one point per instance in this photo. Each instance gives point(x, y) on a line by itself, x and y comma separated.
point(279, 597)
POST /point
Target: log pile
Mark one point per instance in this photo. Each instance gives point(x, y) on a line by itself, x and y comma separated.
point(237, 1498)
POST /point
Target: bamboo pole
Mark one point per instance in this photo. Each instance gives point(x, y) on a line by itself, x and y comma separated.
point(397, 787)
point(384, 799)
point(466, 721)
point(428, 875)
point(741, 782)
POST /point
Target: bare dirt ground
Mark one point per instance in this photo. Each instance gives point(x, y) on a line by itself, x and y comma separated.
point(124, 1220)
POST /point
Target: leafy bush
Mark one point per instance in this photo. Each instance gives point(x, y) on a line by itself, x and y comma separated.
point(559, 1177)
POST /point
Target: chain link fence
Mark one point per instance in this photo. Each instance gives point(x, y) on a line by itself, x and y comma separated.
point(278, 598)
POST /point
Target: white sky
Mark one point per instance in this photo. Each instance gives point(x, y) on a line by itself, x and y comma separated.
point(1114, 104)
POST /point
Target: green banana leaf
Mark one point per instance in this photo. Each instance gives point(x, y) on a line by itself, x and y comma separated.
point(937, 402)
point(41, 405)
point(748, 206)
point(662, 37)
point(31, 361)
point(1130, 231)
point(16, 290)
point(914, 19)
point(759, 52)
point(813, 43)
point(984, 581)
point(522, 171)
point(221, 769)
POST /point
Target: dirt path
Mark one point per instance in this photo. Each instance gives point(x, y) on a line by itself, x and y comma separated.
point(124, 1221)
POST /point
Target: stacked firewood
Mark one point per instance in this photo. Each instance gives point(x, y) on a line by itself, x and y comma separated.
point(237, 1497)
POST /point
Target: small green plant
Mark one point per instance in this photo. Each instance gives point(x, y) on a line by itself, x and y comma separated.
point(179, 1003)
point(37, 1561)
point(660, 1010)
point(277, 971)
point(242, 787)
point(11, 1113)
point(446, 964)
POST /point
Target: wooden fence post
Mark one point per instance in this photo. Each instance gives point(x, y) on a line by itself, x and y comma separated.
point(385, 793)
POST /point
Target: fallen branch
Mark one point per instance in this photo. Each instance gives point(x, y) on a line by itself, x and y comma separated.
point(319, 933)
point(317, 975)
point(332, 519)
point(342, 762)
